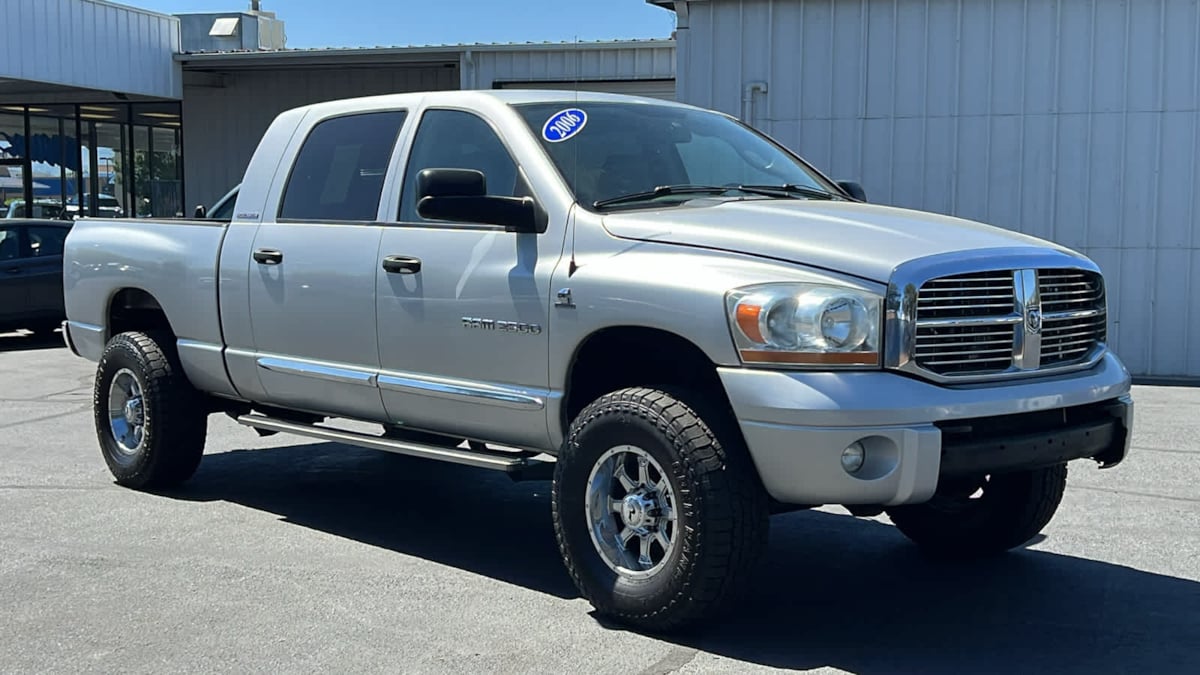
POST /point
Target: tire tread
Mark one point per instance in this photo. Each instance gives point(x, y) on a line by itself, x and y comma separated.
point(732, 535)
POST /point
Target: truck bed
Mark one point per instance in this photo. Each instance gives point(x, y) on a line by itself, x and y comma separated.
point(107, 261)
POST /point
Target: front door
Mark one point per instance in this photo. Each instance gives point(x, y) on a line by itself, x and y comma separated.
point(463, 339)
point(312, 271)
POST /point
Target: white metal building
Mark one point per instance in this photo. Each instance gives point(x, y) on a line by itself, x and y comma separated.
point(1074, 120)
point(230, 97)
point(89, 109)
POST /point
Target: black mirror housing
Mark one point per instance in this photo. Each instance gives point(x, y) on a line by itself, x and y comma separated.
point(460, 195)
point(450, 183)
point(516, 214)
point(853, 189)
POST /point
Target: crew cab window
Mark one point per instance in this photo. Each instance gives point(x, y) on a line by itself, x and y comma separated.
point(453, 139)
point(10, 243)
point(338, 173)
point(47, 241)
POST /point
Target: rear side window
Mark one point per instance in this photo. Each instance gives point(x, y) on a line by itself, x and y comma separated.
point(47, 241)
point(339, 171)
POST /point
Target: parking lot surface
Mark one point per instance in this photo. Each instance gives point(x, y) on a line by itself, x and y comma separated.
point(287, 555)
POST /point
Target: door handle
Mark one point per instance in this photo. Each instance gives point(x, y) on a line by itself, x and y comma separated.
point(401, 264)
point(266, 256)
point(13, 270)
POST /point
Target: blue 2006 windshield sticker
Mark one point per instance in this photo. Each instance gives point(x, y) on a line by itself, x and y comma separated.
point(564, 124)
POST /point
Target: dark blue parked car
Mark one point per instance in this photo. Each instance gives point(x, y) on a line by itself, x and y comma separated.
point(31, 274)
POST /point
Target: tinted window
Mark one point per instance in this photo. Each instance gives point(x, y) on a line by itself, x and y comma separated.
point(339, 171)
point(47, 241)
point(452, 139)
point(224, 210)
point(10, 243)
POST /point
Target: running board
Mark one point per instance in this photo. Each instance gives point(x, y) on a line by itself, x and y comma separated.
point(518, 466)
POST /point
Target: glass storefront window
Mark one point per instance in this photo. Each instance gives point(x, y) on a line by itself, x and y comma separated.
point(103, 159)
point(12, 174)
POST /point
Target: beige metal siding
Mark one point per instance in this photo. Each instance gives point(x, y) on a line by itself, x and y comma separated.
point(89, 44)
point(663, 89)
point(223, 124)
point(598, 65)
point(1078, 121)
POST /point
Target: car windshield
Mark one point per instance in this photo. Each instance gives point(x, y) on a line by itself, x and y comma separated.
point(626, 154)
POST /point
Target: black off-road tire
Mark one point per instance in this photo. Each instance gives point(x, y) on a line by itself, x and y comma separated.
point(1013, 508)
point(176, 418)
point(722, 509)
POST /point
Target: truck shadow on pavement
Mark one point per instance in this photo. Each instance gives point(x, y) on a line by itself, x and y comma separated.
point(834, 591)
point(21, 342)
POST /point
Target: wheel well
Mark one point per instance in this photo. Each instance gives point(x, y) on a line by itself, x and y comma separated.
point(615, 358)
point(135, 309)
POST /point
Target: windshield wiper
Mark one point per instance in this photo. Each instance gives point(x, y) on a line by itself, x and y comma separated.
point(661, 191)
point(785, 189)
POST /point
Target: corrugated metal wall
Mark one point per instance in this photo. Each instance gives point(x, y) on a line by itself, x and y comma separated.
point(650, 60)
point(1073, 120)
point(90, 44)
point(222, 124)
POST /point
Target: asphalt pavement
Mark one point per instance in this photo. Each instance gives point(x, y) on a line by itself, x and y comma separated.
point(287, 555)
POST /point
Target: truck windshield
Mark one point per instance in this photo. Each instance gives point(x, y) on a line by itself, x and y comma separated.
point(628, 155)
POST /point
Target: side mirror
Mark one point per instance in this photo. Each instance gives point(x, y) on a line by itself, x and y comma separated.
point(853, 189)
point(460, 195)
point(201, 212)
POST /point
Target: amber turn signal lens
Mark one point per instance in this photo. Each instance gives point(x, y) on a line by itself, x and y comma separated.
point(747, 320)
point(811, 358)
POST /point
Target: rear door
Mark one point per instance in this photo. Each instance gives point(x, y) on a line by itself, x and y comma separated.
point(44, 270)
point(312, 270)
point(13, 293)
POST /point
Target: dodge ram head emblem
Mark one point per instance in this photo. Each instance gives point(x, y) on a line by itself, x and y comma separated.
point(1033, 320)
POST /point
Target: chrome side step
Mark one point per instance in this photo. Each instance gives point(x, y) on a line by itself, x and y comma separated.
point(519, 466)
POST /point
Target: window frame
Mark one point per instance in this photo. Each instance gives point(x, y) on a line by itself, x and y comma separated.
point(406, 161)
point(293, 157)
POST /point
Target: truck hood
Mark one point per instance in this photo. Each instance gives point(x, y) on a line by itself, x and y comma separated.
point(863, 240)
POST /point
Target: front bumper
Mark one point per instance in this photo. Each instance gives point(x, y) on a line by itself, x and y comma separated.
point(796, 425)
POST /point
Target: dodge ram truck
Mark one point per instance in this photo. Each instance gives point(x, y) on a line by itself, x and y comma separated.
point(677, 321)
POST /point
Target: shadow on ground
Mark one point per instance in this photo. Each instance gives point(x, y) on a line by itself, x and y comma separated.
point(834, 591)
point(23, 341)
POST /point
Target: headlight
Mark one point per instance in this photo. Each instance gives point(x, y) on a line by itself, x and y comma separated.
point(805, 324)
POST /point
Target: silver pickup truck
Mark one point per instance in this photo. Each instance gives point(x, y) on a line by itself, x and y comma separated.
point(676, 320)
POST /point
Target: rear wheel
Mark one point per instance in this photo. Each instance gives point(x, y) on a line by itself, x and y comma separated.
point(984, 516)
point(660, 518)
point(150, 422)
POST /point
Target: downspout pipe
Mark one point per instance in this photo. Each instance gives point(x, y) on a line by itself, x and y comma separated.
point(748, 100)
point(469, 62)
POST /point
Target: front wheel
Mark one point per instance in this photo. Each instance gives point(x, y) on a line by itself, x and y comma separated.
point(659, 519)
point(985, 516)
point(150, 422)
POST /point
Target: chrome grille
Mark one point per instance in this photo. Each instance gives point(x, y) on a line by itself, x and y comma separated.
point(999, 322)
point(1073, 307)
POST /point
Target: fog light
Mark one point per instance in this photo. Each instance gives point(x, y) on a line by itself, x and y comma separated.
point(853, 457)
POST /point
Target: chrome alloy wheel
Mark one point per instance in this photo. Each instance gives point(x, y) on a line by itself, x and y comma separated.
point(126, 414)
point(631, 512)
